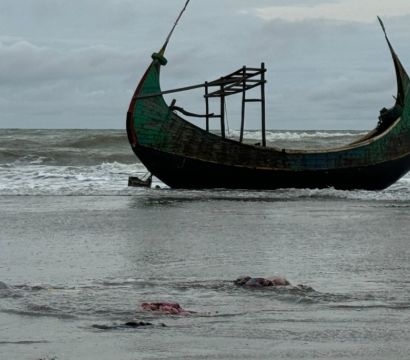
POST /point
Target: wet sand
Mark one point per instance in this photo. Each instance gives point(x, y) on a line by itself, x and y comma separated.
point(98, 258)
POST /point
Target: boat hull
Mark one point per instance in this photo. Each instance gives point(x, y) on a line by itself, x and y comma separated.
point(185, 173)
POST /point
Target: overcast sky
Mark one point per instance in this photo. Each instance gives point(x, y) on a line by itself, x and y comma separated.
point(75, 64)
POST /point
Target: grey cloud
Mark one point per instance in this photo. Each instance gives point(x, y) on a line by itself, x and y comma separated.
point(24, 64)
point(354, 86)
point(76, 64)
point(273, 3)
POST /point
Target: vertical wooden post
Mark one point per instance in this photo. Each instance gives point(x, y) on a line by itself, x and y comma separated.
point(222, 112)
point(207, 106)
point(263, 104)
point(243, 105)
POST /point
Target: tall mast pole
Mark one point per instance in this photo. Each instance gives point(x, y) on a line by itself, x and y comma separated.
point(162, 51)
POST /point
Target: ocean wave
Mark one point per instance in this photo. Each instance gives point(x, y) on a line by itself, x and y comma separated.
point(13, 139)
point(111, 179)
point(390, 194)
point(36, 179)
point(33, 160)
point(288, 135)
point(79, 162)
point(98, 140)
point(65, 147)
point(9, 155)
point(87, 147)
point(66, 157)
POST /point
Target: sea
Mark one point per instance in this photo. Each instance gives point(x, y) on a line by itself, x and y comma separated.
point(80, 251)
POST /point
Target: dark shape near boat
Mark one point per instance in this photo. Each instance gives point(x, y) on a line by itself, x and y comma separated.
point(135, 181)
point(183, 155)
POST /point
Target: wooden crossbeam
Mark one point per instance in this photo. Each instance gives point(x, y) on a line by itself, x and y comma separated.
point(240, 81)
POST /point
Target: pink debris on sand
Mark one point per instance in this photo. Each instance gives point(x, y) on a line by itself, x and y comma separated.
point(168, 308)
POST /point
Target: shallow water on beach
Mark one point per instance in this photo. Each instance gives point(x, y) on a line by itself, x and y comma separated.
point(82, 265)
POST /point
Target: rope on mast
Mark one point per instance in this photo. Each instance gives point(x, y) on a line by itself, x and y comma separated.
point(175, 24)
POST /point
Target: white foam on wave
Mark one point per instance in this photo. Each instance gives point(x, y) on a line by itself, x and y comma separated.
point(33, 160)
point(287, 135)
point(111, 179)
point(33, 179)
point(399, 192)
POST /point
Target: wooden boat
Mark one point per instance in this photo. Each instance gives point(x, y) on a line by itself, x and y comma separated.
point(183, 155)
